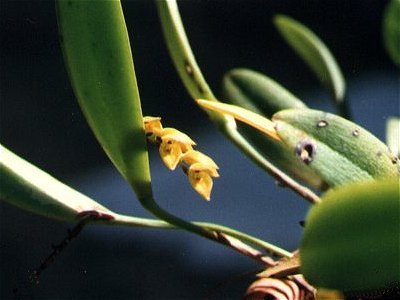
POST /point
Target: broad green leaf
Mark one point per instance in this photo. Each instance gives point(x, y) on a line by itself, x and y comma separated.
point(391, 30)
point(257, 92)
point(98, 57)
point(351, 239)
point(314, 52)
point(337, 149)
point(393, 135)
point(28, 187)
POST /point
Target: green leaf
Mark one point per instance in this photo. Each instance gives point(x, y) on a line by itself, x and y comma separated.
point(351, 239)
point(393, 135)
point(260, 94)
point(257, 92)
point(314, 52)
point(391, 30)
point(339, 150)
point(98, 57)
point(28, 187)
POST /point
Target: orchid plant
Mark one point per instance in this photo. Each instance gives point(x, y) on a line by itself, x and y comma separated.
point(349, 175)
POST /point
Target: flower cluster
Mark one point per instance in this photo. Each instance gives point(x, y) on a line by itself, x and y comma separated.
point(176, 148)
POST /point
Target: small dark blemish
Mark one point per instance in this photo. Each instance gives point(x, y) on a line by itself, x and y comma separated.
point(302, 223)
point(379, 153)
point(394, 159)
point(305, 150)
point(322, 124)
point(201, 91)
point(189, 69)
point(356, 132)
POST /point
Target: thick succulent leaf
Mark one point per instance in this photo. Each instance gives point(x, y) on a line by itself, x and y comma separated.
point(393, 135)
point(338, 149)
point(351, 239)
point(260, 94)
point(314, 52)
point(98, 57)
point(28, 187)
point(255, 91)
point(391, 30)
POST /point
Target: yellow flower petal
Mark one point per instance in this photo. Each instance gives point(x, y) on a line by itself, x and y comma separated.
point(200, 181)
point(199, 159)
point(170, 154)
point(152, 125)
point(176, 136)
point(264, 125)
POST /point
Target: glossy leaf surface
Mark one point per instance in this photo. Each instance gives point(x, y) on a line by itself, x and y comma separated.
point(351, 240)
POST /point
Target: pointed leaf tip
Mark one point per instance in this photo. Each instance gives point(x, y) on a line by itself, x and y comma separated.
point(257, 121)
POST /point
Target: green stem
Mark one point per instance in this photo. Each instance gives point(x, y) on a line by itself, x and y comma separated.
point(122, 220)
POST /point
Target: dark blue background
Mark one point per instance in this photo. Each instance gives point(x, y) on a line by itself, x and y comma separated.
point(41, 122)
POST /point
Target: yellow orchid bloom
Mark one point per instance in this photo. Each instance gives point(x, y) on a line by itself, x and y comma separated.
point(173, 144)
point(194, 157)
point(152, 125)
point(200, 178)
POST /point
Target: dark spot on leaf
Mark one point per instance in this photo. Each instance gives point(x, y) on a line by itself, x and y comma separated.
point(306, 150)
point(379, 153)
point(188, 68)
point(355, 132)
point(322, 124)
point(201, 91)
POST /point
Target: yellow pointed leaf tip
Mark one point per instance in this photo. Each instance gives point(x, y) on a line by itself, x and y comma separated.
point(200, 179)
point(152, 125)
point(261, 123)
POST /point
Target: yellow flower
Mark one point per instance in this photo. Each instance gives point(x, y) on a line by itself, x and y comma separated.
point(152, 125)
point(200, 178)
point(191, 157)
point(173, 144)
point(202, 169)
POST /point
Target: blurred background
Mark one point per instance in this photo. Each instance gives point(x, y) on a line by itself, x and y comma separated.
point(41, 121)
